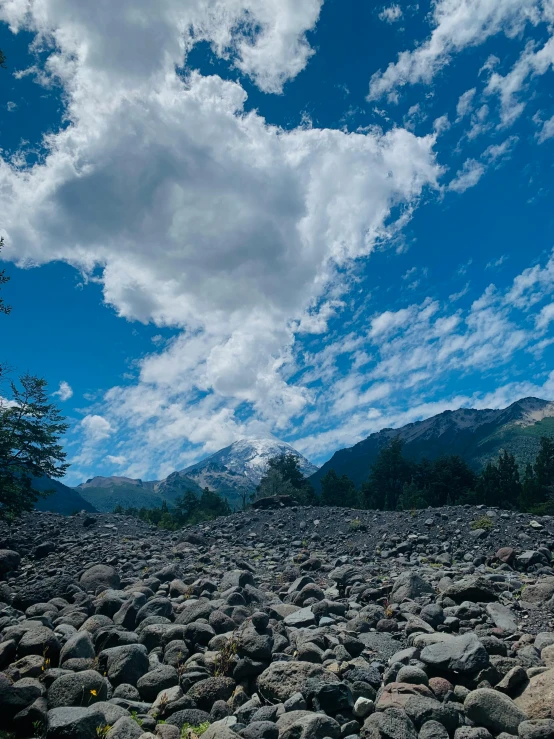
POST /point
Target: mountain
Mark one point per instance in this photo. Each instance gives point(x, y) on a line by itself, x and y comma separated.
point(476, 435)
point(239, 467)
point(63, 500)
point(230, 472)
point(105, 493)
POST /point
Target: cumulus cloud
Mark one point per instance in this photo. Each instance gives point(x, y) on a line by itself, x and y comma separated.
point(96, 428)
point(197, 214)
point(465, 103)
point(457, 24)
point(64, 392)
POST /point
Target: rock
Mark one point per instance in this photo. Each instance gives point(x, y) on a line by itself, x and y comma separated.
point(537, 697)
point(73, 723)
point(9, 561)
point(281, 680)
point(409, 585)
point(539, 593)
point(494, 711)
point(538, 729)
point(125, 728)
point(125, 664)
point(472, 588)
point(155, 681)
point(77, 689)
point(301, 619)
point(433, 730)
point(206, 692)
point(306, 725)
point(392, 724)
point(42, 590)
point(506, 555)
point(78, 646)
point(464, 654)
point(502, 617)
point(41, 641)
point(363, 708)
point(99, 577)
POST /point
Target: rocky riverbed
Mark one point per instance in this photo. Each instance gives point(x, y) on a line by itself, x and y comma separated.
point(295, 623)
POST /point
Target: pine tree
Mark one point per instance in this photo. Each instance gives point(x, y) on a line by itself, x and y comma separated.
point(30, 431)
point(338, 491)
point(291, 480)
point(2, 59)
point(389, 473)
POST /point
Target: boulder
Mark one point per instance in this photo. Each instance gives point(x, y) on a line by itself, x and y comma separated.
point(493, 710)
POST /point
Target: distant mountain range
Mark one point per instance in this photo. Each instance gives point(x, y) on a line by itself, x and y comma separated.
point(476, 435)
point(231, 472)
point(63, 500)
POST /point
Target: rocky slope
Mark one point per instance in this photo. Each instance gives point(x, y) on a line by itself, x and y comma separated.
point(476, 435)
point(298, 623)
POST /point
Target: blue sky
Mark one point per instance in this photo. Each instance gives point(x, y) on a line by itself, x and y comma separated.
point(305, 218)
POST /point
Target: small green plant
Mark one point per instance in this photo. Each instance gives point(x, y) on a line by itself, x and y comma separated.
point(482, 523)
point(134, 716)
point(191, 732)
point(355, 524)
point(225, 657)
point(39, 728)
point(101, 731)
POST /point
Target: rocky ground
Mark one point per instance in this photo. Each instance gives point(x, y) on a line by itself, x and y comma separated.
point(298, 623)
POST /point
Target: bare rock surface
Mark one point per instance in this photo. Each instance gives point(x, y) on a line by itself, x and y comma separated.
point(279, 623)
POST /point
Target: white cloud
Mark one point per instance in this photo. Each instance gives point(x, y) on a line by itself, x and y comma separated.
point(465, 103)
point(457, 24)
point(96, 428)
point(547, 131)
point(391, 14)
point(468, 176)
point(495, 263)
point(407, 357)
point(117, 460)
point(249, 222)
point(64, 392)
point(530, 64)
point(500, 151)
point(545, 317)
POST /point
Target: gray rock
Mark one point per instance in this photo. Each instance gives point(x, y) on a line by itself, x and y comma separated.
point(9, 561)
point(502, 617)
point(464, 654)
point(282, 680)
point(433, 730)
point(390, 724)
point(153, 682)
point(494, 710)
point(73, 723)
point(472, 588)
point(78, 646)
point(77, 689)
point(125, 728)
point(307, 725)
point(300, 619)
point(99, 577)
point(409, 585)
point(125, 664)
point(538, 729)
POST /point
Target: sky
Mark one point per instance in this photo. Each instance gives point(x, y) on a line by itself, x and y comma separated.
point(307, 219)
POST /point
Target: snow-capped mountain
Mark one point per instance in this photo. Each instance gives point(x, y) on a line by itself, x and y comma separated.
point(231, 472)
point(241, 466)
point(476, 435)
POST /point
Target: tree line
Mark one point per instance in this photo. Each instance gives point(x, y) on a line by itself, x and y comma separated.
point(398, 483)
point(187, 510)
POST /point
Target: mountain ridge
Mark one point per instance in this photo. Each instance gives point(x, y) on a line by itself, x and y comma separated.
point(477, 435)
point(233, 472)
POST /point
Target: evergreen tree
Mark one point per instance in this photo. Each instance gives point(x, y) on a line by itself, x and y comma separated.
point(30, 430)
point(338, 491)
point(389, 473)
point(3, 280)
point(2, 59)
point(186, 506)
point(274, 483)
point(450, 481)
point(288, 468)
point(538, 485)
